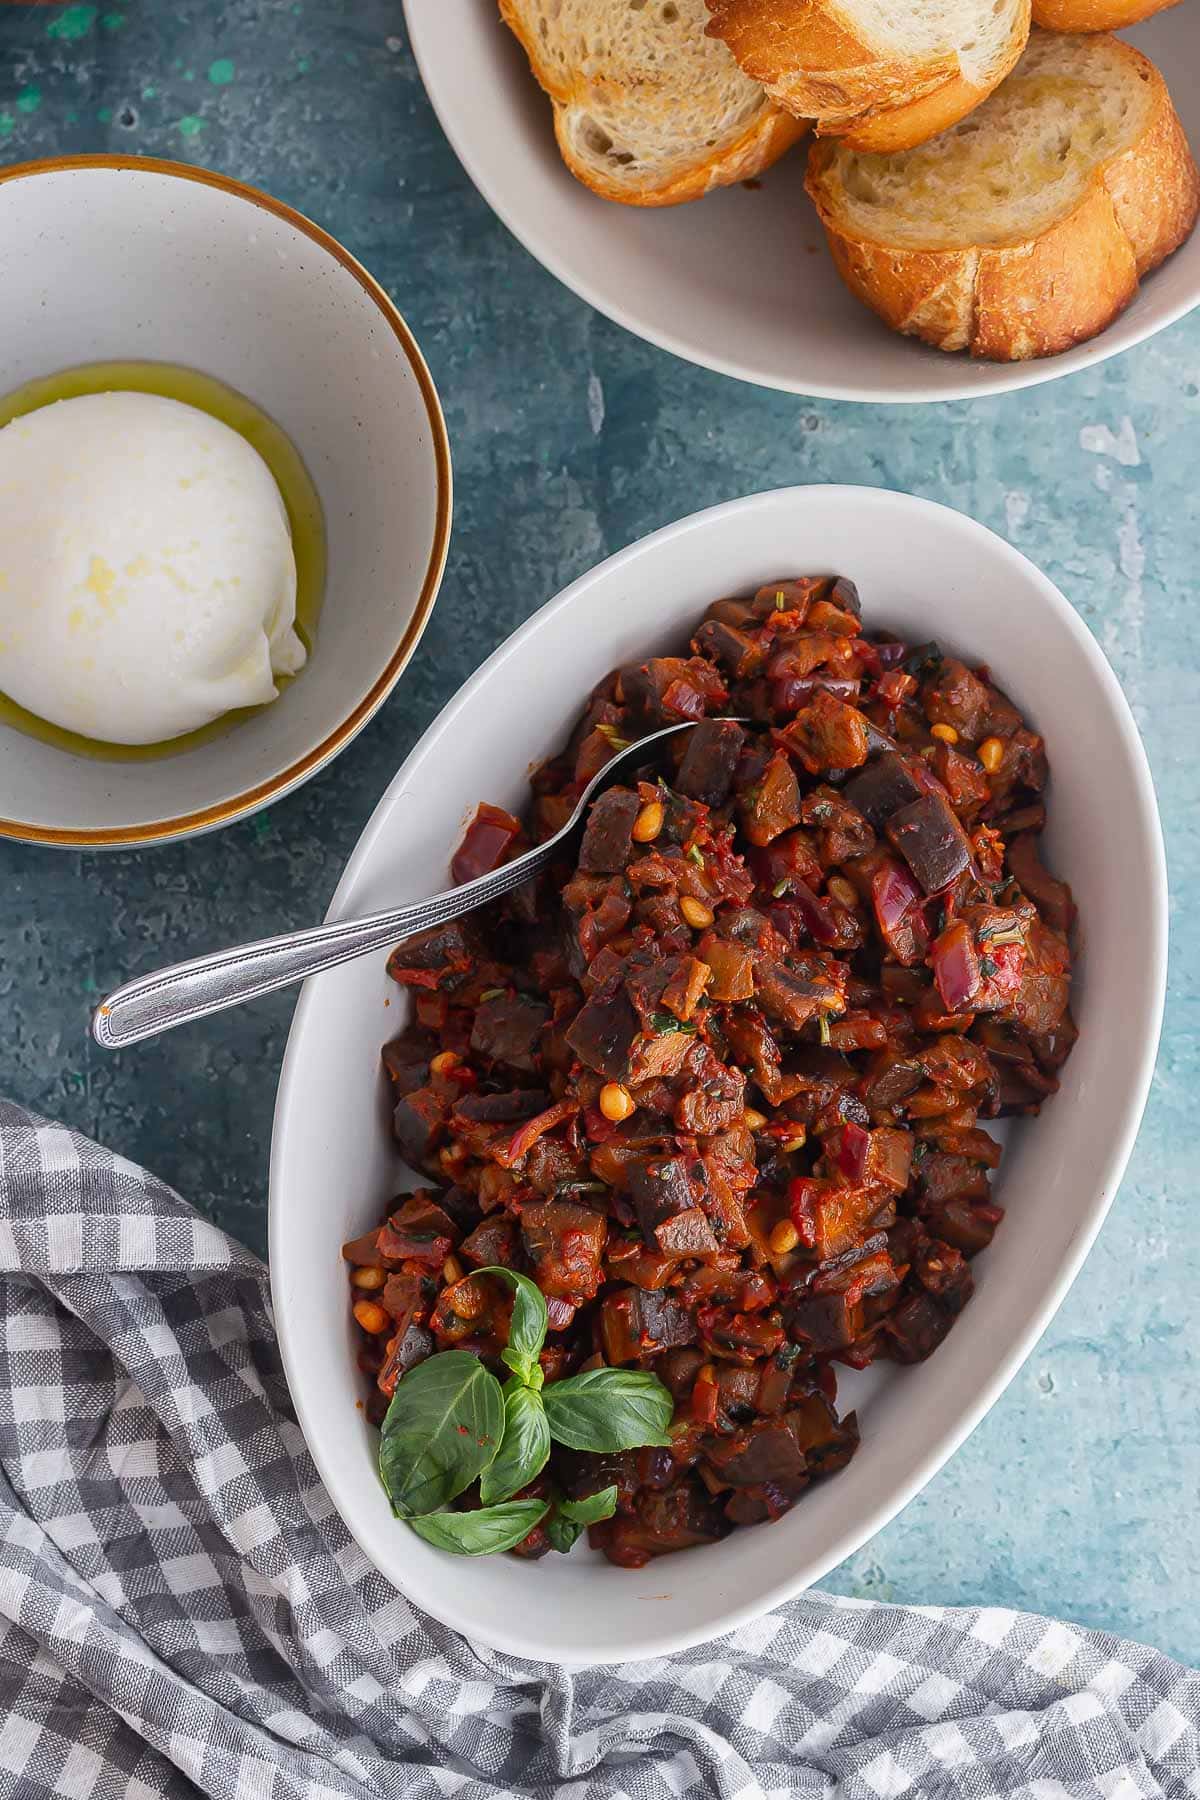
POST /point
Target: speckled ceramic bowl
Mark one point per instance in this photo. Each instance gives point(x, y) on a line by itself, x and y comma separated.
point(740, 282)
point(106, 259)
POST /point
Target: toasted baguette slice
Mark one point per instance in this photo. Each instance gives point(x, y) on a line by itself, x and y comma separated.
point(647, 108)
point(1094, 15)
point(1025, 228)
point(882, 74)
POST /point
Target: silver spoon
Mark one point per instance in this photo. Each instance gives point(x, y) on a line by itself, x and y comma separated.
point(209, 984)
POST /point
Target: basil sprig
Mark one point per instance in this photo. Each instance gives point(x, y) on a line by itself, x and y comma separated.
point(572, 1517)
point(441, 1432)
point(484, 1532)
point(524, 1449)
point(451, 1423)
point(608, 1410)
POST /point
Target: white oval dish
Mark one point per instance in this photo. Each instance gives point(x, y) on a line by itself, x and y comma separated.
point(110, 259)
point(739, 282)
point(924, 571)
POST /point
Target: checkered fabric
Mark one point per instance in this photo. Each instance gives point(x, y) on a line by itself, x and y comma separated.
point(182, 1612)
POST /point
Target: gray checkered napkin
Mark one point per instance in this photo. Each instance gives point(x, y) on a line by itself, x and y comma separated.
point(182, 1612)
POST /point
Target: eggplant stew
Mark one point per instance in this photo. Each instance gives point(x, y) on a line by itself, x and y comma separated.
point(715, 1084)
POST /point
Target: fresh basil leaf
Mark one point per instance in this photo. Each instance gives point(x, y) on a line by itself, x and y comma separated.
point(529, 1323)
point(572, 1517)
point(483, 1532)
point(563, 1534)
point(441, 1431)
point(608, 1410)
point(524, 1449)
point(592, 1508)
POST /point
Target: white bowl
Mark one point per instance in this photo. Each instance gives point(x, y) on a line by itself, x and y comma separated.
point(107, 259)
point(926, 572)
point(740, 282)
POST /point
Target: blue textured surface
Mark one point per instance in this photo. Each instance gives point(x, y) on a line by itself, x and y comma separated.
point(1078, 1496)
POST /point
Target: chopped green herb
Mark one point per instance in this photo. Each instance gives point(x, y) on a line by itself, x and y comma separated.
point(1005, 934)
point(823, 1027)
point(780, 602)
point(696, 855)
point(781, 887)
point(987, 967)
point(663, 1022)
point(491, 993)
point(614, 737)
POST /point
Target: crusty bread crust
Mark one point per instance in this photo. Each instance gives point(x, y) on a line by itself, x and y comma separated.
point(1094, 15)
point(1036, 297)
point(810, 59)
point(762, 144)
point(769, 134)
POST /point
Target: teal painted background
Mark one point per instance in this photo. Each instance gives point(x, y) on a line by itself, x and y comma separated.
point(1078, 1496)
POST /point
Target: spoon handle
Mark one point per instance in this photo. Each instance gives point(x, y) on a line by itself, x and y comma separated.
point(209, 984)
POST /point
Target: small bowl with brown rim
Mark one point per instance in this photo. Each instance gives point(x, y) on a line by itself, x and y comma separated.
point(109, 259)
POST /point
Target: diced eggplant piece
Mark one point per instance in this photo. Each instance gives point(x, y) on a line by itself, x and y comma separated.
point(827, 734)
point(669, 688)
point(405, 1298)
point(916, 1328)
point(842, 1217)
point(363, 1252)
point(486, 844)
point(737, 1392)
point(404, 1354)
point(957, 1223)
point(731, 968)
point(956, 968)
point(581, 1473)
point(738, 1336)
point(825, 1322)
point(775, 1377)
point(767, 1452)
point(508, 1029)
point(714, 1098)
point(687, 1234)
point(660, 1055)
point(945, 1178)
point(963, 779)
point(957, 698)
point(931, 840)
point(677, 1370)
point(500, 1109)
point(660, 1189)
point(608, 835)
point(472, 1308)
point(772, 806)
point(418, 1231)
point(706, 773)
point(794, 999)
point(1051, 897)
point(565, 1244)
point(437, 957)
point(641, 1268)
point(1040, 1004)
point(943, 1272)
point(893, 1076)
point(407, 1064)
point(828, 1442)
point(492, 1244)
point(733, 651)
point(603, 1032)
point(417, 1123)
point(636, 1322)
point(681, 1517)
point(885, 787)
